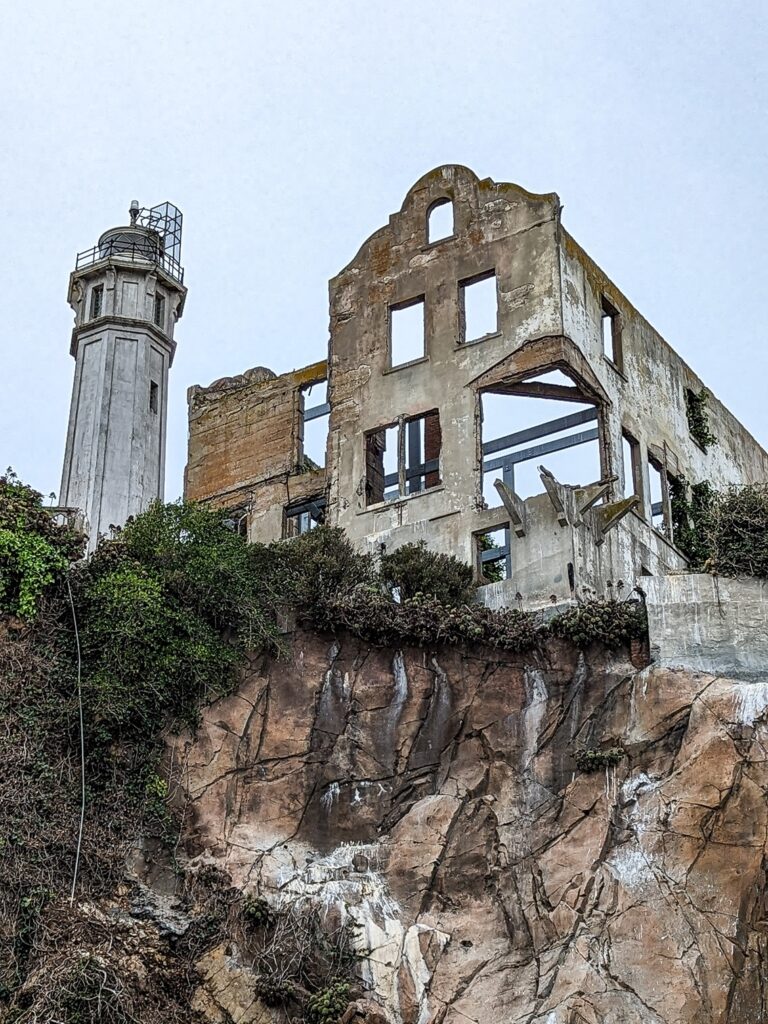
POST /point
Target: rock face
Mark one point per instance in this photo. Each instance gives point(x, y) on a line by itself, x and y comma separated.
point(433, 798)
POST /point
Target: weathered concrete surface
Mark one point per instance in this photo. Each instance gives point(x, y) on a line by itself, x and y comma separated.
point(123, 345)
point(433, 798)
point(710, 624)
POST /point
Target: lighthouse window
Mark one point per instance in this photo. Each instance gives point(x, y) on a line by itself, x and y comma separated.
point(159, 310)
point(97, 297)
point(153, 392)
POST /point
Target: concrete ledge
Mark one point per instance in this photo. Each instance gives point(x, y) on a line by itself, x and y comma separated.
point(709, 624)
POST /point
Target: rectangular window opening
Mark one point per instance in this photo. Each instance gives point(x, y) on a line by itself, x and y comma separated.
point(521, 433)
point(440, 221)
point(657, 494)
point(154, 392)
point(407, 332)
point(493, 555)
point(97, 301)
point(478, 308)
point(159, 309)
point(315, 414)
point(610, 329)
point(403, 458)
point(630, 450)
point(303, 517)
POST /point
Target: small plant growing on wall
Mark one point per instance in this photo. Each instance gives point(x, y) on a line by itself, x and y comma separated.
point(698, 419)
point(592, 760)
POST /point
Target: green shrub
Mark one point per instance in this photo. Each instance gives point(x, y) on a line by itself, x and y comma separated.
point(34, 549)
point(314, 571)
point(691, 520)
point(724, 532)
point(736, 528)
point(327, 1006)
point(208, 568)
point(610, 623)
point(257, 913)
point(412, 569)
point(145, 654)
point(592, 759)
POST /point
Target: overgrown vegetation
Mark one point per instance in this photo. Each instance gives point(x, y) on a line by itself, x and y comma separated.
point(723, 532)
point(412, 570)
point(167, 611)
point(690, 517)
point(698, 419)
point(593, 759)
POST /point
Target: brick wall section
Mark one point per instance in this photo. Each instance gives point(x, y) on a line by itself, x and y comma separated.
point(244, 434)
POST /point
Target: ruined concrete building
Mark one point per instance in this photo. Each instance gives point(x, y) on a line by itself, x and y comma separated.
point(473, 298)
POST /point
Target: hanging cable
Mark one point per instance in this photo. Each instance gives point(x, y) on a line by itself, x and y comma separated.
point(82, 744)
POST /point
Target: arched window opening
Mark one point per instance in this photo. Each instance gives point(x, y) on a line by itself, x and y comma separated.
point(439, 221)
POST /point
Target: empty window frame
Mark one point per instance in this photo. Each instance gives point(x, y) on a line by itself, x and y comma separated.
point(610, 332)
point(478, 308)
point(97, 301)
point(440, 221)
point(403, 458)
point(659, 495)
point(545, 420)
point(154, 396)
point(303, 516)
point(406, 332)
point(492, 555)
point(159, 311)
point(315, 413)
point(237, 521)
point(632, 466)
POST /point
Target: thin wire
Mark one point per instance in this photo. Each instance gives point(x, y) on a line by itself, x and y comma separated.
point(82, 745)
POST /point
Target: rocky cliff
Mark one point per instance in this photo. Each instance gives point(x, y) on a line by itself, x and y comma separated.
point(431, 800)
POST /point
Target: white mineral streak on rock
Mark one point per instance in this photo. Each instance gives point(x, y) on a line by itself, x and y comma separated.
point(631, 863)
point(751, 702)
point(535, 710)
point(417, 966)
point(401, 690)
point(362, 897)
point(329, 797)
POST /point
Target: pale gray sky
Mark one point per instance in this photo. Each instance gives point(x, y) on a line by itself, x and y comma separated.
point(287, 133)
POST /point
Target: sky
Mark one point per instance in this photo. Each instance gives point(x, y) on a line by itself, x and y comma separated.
point(287, 133)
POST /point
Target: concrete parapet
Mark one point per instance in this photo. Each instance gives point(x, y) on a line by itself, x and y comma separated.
point(709, 624)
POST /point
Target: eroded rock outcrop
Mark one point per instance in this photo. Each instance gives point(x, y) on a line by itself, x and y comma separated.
point(433, 798)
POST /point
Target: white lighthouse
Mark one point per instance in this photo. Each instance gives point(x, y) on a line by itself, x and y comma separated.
point(127, 293)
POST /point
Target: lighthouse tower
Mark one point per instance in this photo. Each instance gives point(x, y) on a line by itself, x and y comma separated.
point(127, 293)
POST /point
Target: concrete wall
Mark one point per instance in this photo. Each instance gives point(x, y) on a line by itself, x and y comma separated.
point(647, 395)
point(710, 624)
